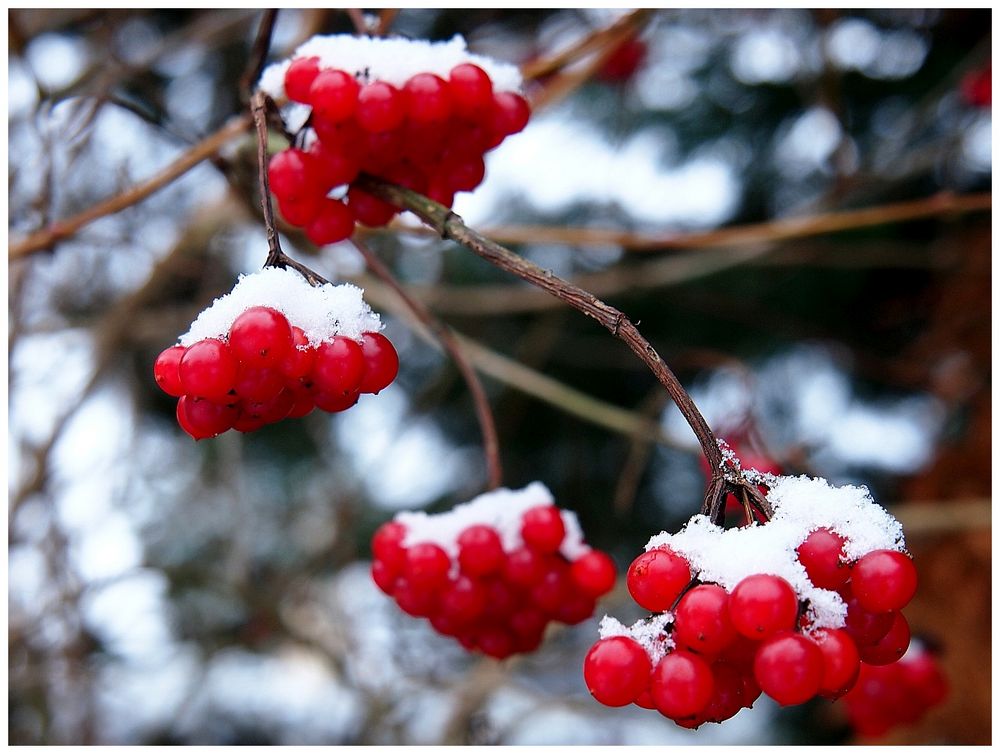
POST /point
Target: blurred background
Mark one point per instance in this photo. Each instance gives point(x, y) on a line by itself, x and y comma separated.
point(794, 206)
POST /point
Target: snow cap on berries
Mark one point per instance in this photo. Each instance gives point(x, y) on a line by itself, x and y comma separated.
point(801, 505)
point(393, 60)
point(652, 634)
point(501, 509)
point(322, 312)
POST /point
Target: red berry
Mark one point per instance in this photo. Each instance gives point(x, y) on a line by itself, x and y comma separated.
point(471, 90)
point(302, 404)
point(258, 384)
point(299, 212)
point(657, 577)
point(890, 647)
point(822, 555)
point(333, 223)
point(727, 693)
point(202, 418)
point(387, 544)
point(381, 362)
point(299, 77)
point(464, 172)
point(554, 588)
point(261, 337)
point(510, 113)
point(333, 402)
point(883, 580)
point(335, 165)
point(762, 605)
point(339, 367)
point(789, 668)
point(369, 210)
point(346, 140)
point(208, 370)
point(334, 96)
point(542, 528)
point(381, 150)
point(841, 662)
point(623, 63)
point(298, 362)
point(594, 573)
point(277, 408)
point(501, 600)
point(293, 176)
point(380, 107)
point(865, 627)
point(384, 577)
point(616, 671)
point(923, 674)
point(682, 685)
point(427, 98)
point(415, 599)
point(464, 600)
point(427, 566)
point(528, 622)
point(524, 567)
point(701, 620)
point(574, 608)
point(496, 643)
point(167, 373)
point(480, 551)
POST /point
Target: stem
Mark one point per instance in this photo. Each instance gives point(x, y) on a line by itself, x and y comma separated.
point(491, 445)
point(258, 106)
point(258, 53)
point(450, 226)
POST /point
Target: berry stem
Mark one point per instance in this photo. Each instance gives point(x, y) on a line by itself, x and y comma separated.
point(258, 53)
point(491, 445)
point(450, 226)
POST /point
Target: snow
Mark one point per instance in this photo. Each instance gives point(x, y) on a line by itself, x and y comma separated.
point(393, 60)
point(801, 505)
point(652, 633)
point(321, 311)
point(502, 509)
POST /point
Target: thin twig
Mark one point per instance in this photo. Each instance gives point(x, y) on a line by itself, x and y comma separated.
point(357, 17)
point(386, 17)
point(450, 226)
point(44, 239)
point(491, 445)
point(258, 106)
point(258, 53)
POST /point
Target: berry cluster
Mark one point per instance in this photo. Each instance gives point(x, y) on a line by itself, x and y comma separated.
point(245, 364)
point(497, 571)
point(428, 134)
point(897, 694)
point(722, 634)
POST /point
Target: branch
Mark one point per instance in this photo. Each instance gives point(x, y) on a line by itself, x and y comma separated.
point(43, 240)
point(491, 446)
point(450, 226)
point(258, 53)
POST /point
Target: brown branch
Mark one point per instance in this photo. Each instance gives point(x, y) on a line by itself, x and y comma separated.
point(258, 53)
point(491, 445)
point(450, 226)
point(386, 17)
point(44, 239)
point(357, 17)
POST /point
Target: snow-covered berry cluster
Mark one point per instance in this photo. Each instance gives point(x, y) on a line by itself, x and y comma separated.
point(896, 694)
point(794, 608)
point(493, 572)
point(416, 113)
point(275, 348)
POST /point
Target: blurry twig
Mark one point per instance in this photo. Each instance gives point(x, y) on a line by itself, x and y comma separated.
point(357, 17)
point(44, 239)
point(386, 18)
point(491, 445)
point(258, 53)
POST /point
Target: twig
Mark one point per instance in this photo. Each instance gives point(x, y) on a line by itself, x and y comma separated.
point(386, 17)
point(450, 226)
point(44, 239)
point(491, 446)
point(357, 17)
point(258, 53)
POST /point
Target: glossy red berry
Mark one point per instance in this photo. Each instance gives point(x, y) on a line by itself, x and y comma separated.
point(681, 685)
point(471, 90)
point(339, 367)
point(415, 599)
point(542, 528)
point(727, 693)
point(427, 566)
point(865, 627)
point(553, 589)
point(335, 401)
point(524, 567)
point(594, 573)
point(293, 176)
point(701, 620)
point(299, 360)
point(890, 647)
point(496, 642)
point(381, 362)
point(822, 555)
point(883, 580)
point(299, 212)
point(657, 577)
point(369, 210)
point(260, 337)
point(336, 165)
point(427, 98)
point(299, 77)
point(166, 371)
point(480, 551)
point(789, 668)
point(841, 662)
point(762, 605)
point(384, 577)
point(302, 403)
point(464, 600)
point(616, 671)
point(258, 384)
point(202, 418)
point(334, 96)
point(334, 222)
point(380, 107)
point(208, 370)
point(510, 113)
point(387, 544)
